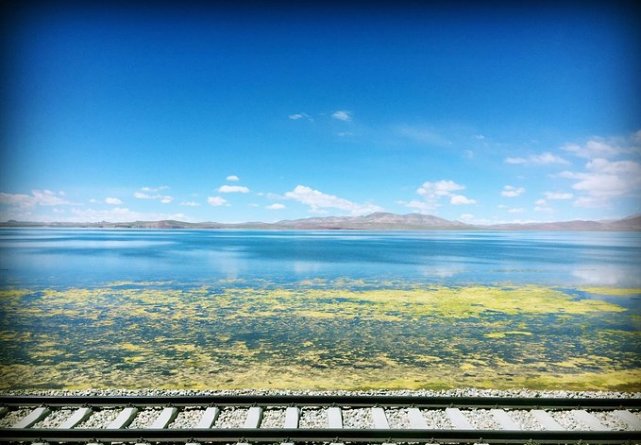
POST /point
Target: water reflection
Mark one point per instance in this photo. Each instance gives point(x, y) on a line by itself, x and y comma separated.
point(60, 257)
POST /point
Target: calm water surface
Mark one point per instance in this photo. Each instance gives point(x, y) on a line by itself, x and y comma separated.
point(319, 310)
point(56, 257)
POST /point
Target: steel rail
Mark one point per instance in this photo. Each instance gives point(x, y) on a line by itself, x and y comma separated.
point(352, 401)
point(317, 435)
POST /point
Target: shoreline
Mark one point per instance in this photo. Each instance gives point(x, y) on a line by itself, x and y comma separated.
point(459, 392)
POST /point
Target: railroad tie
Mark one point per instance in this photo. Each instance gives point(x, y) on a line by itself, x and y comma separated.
point(164, 419)
point(589, 420)
point(78, 416)
point(123, 420)
point(633, 421)
point(458, 419)
point(254, 416)
point(334, 417)
point(334, 420)
point(32, 418)
point(546, 420)
point(292, 415)
point(208, 418)
point(416, 419)
point(586, 413)
point(504, 420)
point(379, 419)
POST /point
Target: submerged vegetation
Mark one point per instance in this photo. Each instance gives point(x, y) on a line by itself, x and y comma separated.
point(344, 334)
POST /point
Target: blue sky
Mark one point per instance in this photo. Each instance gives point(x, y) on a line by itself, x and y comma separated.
point(476, 113)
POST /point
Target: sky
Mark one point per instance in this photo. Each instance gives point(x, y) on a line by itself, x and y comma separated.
point(478, 113)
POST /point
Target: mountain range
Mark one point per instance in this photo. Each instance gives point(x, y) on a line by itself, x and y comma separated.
point(373, 221)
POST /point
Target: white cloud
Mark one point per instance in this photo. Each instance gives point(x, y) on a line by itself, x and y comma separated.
point(317, 201)
point(37, 198)
point(420, 206)
point(421, 134)
point(539, 159)
point(600, 147)
point(466, 217)
point(433, 192)
point(154, 189)
point(438, 189)
point(275, 206)
point(113, 201)
point(232, 178)
point(604, 181)
point(151, 193)
point(516, 210)
point(543, 209)
point(216, 201)
point(121, 214)
point(342, 115)
point(233, 189)
point(541, 202)
point(297, 116)
point(461, 200)
point(556, 196)
point(190, 204)
point(272, 196)
point(510, 191)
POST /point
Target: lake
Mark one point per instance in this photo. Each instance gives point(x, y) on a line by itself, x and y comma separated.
point(319, 309)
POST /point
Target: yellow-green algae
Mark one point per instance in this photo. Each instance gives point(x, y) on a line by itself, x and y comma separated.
point(315, 337)
point(612, 291)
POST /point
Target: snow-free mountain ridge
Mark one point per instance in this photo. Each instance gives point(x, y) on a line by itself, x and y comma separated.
point(373, 221)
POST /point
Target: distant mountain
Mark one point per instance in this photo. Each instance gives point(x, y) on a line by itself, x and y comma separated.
point(373, 221)
point(629, 223)
point(378, 221)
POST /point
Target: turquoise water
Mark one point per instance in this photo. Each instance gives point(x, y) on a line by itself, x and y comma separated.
point(56, 257)
point(319, 310)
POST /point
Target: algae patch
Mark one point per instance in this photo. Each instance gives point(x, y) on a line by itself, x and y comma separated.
point(612, 291)
point(315, 336)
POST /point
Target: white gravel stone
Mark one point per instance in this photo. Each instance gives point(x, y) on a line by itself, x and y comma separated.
point(273, 418)
point(433, 393)
point(13, 417)
point(54, 419)
point(357, 418)
point(231, 418)
point(482, 419)
point(566, 420)
point(437, 419)
point(312, 418)
point(525, 419)
point(611, 422)
point(145, 418)
point(100, 418)
point(187, 418)
point(397, 418)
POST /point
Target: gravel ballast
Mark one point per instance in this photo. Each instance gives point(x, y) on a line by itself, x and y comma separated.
point(314, 417)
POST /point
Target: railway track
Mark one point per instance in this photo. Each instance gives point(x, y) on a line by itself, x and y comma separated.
point(288, 419)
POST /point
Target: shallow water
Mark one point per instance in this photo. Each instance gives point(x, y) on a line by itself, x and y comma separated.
point(236, 309)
